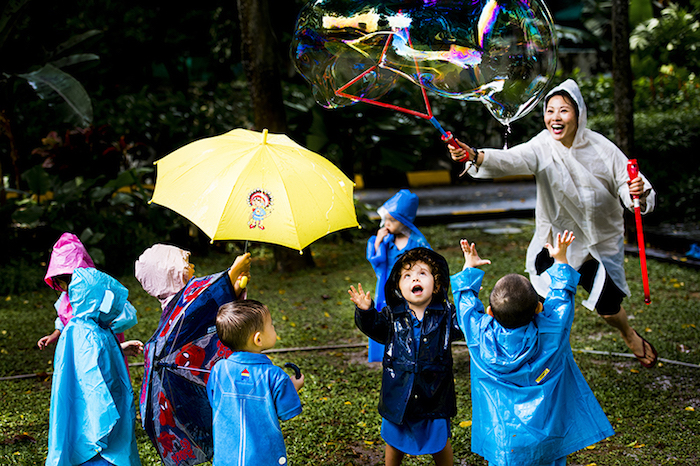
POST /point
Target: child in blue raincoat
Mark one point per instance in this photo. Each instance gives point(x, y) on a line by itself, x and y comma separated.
point(248, 394)
point(92, 402)
point(418, 326)
point(396, 235)
point(530, 402)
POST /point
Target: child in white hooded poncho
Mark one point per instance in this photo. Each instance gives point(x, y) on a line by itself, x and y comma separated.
point(581, 178)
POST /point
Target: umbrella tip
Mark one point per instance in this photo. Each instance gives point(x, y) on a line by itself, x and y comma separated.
point(264, 135)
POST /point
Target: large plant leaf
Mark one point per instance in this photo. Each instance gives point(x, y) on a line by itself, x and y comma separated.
point(62, 91)
point(78, 58)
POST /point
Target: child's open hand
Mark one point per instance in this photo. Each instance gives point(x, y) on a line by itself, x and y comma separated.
point(558, 252)
point(471, 257)
point(361, 299)
point(132, 348)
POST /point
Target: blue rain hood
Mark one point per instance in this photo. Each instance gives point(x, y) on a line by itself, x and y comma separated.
point(92, 401)
point(403, 206)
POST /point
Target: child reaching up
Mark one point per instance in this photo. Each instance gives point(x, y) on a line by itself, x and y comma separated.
point(417, 328)
point(247, 393)
point(530, 402)
point(396, 235)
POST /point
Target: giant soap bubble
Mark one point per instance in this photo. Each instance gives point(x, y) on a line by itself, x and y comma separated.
point(499, 52)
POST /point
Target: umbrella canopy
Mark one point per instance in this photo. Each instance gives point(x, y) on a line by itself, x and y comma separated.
point(246, 185)
point(175, 411)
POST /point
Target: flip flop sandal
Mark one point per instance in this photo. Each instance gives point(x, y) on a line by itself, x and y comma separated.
point(644, 356)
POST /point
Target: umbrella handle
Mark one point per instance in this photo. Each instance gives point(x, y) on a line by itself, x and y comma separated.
point(633, 172)
point(295, 368)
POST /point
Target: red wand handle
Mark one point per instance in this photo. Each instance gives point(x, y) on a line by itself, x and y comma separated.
point(633, 171)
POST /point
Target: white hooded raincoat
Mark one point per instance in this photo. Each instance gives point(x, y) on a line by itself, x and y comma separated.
point(578, 189)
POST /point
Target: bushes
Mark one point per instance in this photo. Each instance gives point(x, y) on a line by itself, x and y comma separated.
point(666, 131)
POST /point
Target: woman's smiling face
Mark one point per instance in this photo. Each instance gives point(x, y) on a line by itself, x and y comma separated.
point(560, 119)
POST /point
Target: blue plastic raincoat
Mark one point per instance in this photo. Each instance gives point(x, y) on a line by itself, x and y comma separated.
point(530, 402)
point(92, 401)
point(403, 206)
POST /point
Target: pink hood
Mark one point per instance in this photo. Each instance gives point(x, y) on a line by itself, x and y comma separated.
point(161, 271)
point(67, 254)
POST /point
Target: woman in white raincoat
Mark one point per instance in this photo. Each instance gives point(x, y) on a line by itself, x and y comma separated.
point(581, 177)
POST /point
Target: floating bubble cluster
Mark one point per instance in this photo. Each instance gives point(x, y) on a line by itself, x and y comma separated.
point(499, 52)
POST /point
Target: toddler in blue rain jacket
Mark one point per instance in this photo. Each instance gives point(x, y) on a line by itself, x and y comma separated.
point(530, 402)
point(396, 235)
point(247, 393)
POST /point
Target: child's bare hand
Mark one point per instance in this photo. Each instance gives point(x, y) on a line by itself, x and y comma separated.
point(361, 299)
point(132, 348)
point(239, 273)
point(298, 383)
point(558, 252)
point(471, 257)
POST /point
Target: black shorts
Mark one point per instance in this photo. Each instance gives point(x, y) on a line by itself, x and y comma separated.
point(610, 299)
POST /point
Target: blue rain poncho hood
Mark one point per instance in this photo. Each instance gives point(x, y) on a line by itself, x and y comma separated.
point(92, 401)
point(403, 206)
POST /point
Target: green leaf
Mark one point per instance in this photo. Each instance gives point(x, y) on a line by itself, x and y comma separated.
point(38, 180)
point(63, 91)
point(75, 59)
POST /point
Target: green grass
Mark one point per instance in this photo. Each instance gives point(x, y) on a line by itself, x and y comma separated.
point(654, 412)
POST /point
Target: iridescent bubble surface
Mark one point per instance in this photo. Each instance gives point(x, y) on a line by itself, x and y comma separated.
point(499, 52)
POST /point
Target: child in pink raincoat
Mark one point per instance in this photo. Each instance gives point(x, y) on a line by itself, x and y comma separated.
point(68, 254)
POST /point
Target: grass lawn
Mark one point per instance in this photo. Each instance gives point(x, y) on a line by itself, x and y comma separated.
point(655, 412)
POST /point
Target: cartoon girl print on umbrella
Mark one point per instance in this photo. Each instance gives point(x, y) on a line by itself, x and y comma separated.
point(261, 202)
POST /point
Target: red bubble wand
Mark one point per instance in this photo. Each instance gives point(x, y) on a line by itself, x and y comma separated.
point(633, 171)
point(428, 115)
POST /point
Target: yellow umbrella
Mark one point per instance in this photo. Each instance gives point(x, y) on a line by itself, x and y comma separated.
point(246, 185)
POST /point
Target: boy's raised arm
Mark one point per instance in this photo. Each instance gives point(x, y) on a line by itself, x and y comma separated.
point(471, 257)
point(558, 252)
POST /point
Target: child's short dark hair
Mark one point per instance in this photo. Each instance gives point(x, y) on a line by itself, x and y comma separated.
point(238, 320)
point(513, 301)
point(414, 255)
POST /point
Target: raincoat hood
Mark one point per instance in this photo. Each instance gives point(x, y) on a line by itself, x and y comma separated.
point(96, 296)
point(517, 347)
point(403, 206)
point(67, 254)
point(161, 271)
point(571, 88)
point(391, 288)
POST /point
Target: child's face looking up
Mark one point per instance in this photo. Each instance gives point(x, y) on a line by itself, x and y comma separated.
point(417, 284)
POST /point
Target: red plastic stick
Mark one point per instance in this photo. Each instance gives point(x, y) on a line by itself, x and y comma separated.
point(633, 171)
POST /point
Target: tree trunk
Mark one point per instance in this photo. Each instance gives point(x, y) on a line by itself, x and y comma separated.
point(261, 65)
point(622, 78)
